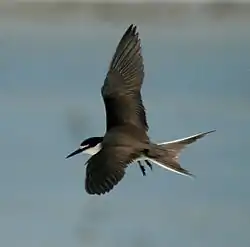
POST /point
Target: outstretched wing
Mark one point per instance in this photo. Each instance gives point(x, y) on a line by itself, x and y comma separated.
point(106, 168)
point(122, 86)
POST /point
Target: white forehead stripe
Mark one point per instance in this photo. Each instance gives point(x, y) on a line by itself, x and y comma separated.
point(93, 150)
point(82, 147)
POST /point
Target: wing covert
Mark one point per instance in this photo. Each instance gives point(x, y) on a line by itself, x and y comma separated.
point(106, 168)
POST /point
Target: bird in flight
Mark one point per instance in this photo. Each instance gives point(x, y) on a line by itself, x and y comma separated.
point(126, 139)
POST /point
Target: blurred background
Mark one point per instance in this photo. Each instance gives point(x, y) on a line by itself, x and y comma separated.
point(53, 61)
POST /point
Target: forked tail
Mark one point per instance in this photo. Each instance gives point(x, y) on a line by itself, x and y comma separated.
point(166, 154)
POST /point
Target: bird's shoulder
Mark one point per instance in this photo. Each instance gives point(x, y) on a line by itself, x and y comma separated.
point(126, 135)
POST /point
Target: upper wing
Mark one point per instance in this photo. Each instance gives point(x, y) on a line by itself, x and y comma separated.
point(106, 168)
point(121, 89)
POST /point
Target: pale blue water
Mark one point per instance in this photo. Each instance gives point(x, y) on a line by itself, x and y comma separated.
point(197, 79)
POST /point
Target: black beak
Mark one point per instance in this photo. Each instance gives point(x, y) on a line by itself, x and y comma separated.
point(74, 153)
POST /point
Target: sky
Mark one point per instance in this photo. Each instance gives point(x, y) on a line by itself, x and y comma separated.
point(52, 66)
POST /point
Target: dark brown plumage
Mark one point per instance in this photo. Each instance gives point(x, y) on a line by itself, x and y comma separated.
point(121, 146)
point(126, 138)
point(122, 86)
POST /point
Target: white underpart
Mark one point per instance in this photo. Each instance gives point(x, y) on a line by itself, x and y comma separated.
point(161, 165)
point(168, 168)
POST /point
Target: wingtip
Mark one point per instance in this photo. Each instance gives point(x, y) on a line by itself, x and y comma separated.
point(132, 29)
point(132, 25)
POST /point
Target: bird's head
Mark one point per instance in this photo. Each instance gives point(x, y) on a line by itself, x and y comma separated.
point(89, 146)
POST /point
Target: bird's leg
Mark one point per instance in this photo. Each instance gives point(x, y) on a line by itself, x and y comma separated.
point(149, 164)
point(143, 170)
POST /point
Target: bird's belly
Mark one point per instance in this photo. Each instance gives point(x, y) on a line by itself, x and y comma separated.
point(142, 158)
